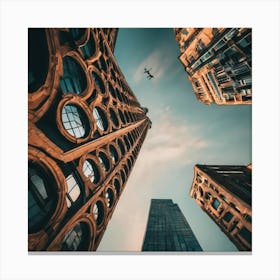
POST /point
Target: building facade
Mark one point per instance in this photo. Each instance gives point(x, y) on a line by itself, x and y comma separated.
point(167, 229)
point(85, 131)
point(224, 192)
point(218, 62)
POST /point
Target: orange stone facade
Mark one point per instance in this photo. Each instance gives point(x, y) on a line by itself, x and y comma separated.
point(85, 131)
point(218, 62)
point(224, 193)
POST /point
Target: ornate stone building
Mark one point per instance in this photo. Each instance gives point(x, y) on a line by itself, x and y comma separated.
point(224, 192)
point(85, 131)
point(218, 62)
point(167, 229)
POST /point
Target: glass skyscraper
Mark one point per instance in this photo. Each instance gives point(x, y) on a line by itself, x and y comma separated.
point(168, 229)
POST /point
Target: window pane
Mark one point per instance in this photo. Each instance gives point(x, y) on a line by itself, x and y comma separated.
point(73, 121)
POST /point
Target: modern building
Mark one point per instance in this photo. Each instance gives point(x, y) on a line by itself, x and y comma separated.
point(85, 131)
point(224, 192)
point(167, 229)
point(218, 62)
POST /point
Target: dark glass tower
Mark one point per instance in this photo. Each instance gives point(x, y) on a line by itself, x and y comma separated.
point(168, 229)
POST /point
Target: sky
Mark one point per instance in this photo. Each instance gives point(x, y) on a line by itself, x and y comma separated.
point(266, 116)
point(184, 132)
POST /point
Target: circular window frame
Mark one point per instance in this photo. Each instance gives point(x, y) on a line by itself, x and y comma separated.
point(40, 100)
point(114, 145)
point(40, 158)
point(94, 55)
point(102, 200)
point(91, 185)
point(117, 178)
point(76, 101)
point(113, 125)
point(92, 69)
point(84, 218)
point(105, 152)
point(100, 106)
point(112, 189)
point(86, 93)
point(84, 38)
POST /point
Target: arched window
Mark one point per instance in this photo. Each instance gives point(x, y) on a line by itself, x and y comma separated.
point(109, 197)
point(98, 82)
point(74, 78)
point(42, 197)
point(114, 117)
point(74, 120)
point(38, 58)
point(114, 154)
point(89, 48)
point(73, 191)
point(98, 212)
point(76, 239)
point(100, 118)
point(91, 171)
point(104, 161)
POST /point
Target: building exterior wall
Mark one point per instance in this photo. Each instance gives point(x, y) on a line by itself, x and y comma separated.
point(218, 62)
point(168, 229)
point(85, 131)
point(224, 192)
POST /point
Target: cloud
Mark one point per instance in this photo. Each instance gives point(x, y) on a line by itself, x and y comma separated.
point(171, 143)
point(160, 62)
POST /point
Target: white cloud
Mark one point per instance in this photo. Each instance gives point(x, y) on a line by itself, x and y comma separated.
point(170, 143)
point(159, 60)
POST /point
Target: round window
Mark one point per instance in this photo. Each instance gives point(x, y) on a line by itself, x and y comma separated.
point(98, 212)
point(89, 48)
point(100, 118)
point(109, 197)
point(98, 82)
point(121, 116)
point(74, 78)
point(42, 197)
point(74, 121)
point(91, 171)
point(112, 91)
point(114, 154)
point(77, 239)
point(104, 161)
point(113, 117)
point(117, 186)
point(120, 143)
point(38, 61)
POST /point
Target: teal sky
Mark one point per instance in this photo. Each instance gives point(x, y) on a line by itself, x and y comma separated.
point(184, 132)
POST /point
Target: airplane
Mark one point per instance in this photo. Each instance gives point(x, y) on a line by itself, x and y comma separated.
point(150, 76)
